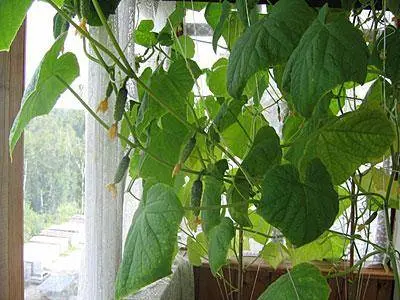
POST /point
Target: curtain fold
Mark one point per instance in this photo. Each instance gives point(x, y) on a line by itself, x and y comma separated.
point(103, 213)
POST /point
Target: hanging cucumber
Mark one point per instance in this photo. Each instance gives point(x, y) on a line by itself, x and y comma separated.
point(122, 96)
point(109, 89)
point(184, 155)
point(197, 192)
point(89, 13)
point(122, 168)
point(119, 174)
point(187, 150)
point(60, 25)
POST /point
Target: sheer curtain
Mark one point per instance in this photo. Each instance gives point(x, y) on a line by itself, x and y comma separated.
point(103, 214)
point(107, 220)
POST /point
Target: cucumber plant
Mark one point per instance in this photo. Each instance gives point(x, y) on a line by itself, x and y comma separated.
point(214, 162)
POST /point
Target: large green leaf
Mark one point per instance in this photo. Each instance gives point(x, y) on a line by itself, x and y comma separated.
point(263, 155)
point(211, 197)
point(213, 188)
point(45, 88)
point(88, 11)
point(12, 14)
point(196, 6)
point(229, 26)
point(171, 88)
point(218, 30)
point(331, 51)
point(268, 42)
point(163, 142)
point(298, 141)
point(377, 181)
point(238, 195)
point(259, 225)
point(237, 135)
point(216, 78)
point(351, 140)
point(388, 59)
point(185, 46)
point(247, 11)
point(196, 248)
point(304, 282)
point(174, 20)
point(143, 34)
point(380, 94)
point(302, 208)
point(219, 241)
point(228, 113)
point(328, 246)
point(274, 254)
point(151, 241)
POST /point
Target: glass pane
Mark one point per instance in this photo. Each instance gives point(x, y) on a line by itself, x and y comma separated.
point(54, 176)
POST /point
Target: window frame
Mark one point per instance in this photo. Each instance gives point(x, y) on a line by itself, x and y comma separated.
point(12, 71)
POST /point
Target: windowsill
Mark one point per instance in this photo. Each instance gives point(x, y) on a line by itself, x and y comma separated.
point(373, 271)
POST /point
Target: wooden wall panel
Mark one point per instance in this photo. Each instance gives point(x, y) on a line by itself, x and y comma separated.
point(374, 283)
point(11, 174)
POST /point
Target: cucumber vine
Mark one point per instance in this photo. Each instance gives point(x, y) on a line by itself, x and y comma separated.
point(212, 165)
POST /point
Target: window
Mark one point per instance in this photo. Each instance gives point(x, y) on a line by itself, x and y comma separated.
point(54, 166)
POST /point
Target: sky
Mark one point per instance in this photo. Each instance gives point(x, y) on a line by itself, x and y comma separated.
point(40, 38)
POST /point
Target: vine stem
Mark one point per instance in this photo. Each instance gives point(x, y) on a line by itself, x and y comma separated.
point(131, 73)
point(212, 207)
point(240, 269)
point(390, 249)
point(112, 36)
point(260, 233)
point(87, 35)
point(92, 113)
point(352, 220)
point(354, 267)
point(127, 70)
point(357, 237)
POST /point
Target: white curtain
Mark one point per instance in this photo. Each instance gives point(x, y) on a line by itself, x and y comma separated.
point(107, 220)
point(103, 213)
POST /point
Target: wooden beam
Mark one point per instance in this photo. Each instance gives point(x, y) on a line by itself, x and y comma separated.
point(313, 3)
point(11, 174)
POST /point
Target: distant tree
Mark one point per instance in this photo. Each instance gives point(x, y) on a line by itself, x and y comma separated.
point(54, 160)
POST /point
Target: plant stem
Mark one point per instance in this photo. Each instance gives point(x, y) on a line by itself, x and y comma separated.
point(87, 35)
point(112, 36)
point(260, 233)
point(91, 112)
point(240, 269)
point(357, 237)
point(131, 73)
point(354, 267)
point(390, 248)
point(212, 207)
point(352, 221)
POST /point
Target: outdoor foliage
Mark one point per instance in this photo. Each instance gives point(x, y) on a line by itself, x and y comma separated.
point(253, 182)
point(58, 179)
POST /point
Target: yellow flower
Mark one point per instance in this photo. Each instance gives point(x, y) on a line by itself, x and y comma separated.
point(113, 131)
point(112, 189)
point(83, 25)
point(176, 170)
point(103, 106)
